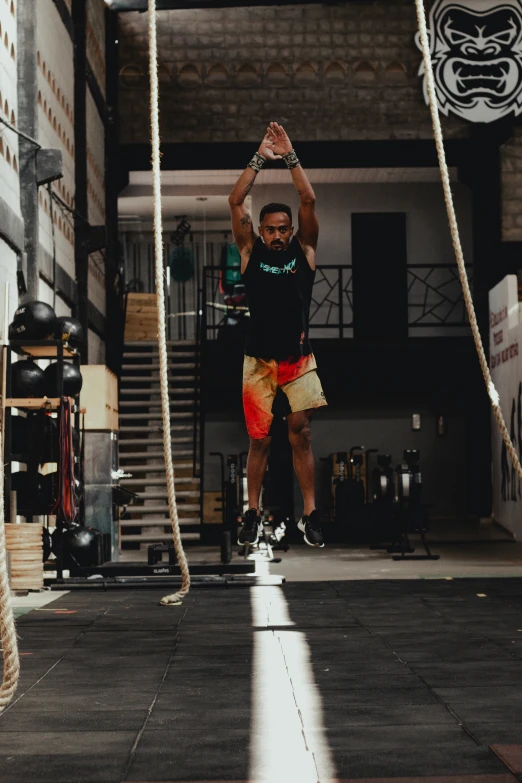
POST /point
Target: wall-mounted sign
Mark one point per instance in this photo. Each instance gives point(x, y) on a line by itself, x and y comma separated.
point(476, 50)
point(505, 362)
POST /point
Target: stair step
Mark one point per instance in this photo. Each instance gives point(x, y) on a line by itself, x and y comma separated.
point(151, 539)
point(150, 482)
point(125, 455)
point(155, 468)
point(148, 442)
point(154, 343)
point(156, 494)
point(146, 510)
point(154, 378)
point(152, 403)
point(158, 522)
point(155, 416)
point(173, 390)
point(183, 353)
point(153, 428)
point(162, 493)
point(178, 366)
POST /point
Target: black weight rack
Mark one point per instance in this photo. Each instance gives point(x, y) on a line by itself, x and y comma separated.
point(59, 351)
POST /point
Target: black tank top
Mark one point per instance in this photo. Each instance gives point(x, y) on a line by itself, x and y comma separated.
point(278, 286)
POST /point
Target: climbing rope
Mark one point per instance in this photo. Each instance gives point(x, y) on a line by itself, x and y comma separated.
point(160, 293)
point(7, 626)
point(459, 255)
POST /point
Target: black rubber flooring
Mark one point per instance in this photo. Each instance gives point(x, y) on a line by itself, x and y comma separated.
point(417, 679)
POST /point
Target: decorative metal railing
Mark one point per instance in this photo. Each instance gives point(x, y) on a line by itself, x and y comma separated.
point(435, 296)
point(435, 301)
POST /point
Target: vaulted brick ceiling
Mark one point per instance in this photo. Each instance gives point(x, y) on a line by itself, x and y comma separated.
point(141, 5)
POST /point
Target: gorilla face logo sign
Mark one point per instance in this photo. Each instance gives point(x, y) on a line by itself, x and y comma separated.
point(476, 49)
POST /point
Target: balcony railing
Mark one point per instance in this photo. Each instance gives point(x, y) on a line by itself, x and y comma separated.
point(435, 302)
point(435, 296)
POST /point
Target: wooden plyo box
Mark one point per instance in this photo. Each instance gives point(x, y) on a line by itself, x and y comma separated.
point(141, 320)
point(211, 502)
point(25, 547)
point(99, 397)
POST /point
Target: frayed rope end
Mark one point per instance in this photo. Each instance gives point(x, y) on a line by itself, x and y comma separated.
point(171, 600)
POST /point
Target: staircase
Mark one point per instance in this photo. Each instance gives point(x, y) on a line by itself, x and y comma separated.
point(147, 520)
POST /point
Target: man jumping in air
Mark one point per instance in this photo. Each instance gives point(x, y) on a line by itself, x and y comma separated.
point(278, 270)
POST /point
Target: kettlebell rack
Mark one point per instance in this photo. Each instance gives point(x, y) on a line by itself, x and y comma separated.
point(59, 351)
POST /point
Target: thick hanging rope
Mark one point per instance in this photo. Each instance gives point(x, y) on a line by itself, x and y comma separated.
point(459, 255)
point(160, 293)
point(7, 626)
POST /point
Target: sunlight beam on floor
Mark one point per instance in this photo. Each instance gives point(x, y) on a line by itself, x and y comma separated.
point(283, 693)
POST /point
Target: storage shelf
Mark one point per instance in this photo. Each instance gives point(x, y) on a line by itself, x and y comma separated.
point(34, 402)
point(43, 349)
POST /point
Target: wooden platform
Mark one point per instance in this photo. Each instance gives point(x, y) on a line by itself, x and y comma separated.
point(141, 321)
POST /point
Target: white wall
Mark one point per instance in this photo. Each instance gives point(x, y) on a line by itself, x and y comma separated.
point(9, 158)
point(8, 265)
point(96, 349)
point(55, 76)
point(45, 294)
point(428, 236)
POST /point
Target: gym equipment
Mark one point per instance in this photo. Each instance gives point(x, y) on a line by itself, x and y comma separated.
point(82, 547)
point(230, 510)
point(27, 379)
point(230, 271)
point(233, 502)
point(47, 492)
point(24, 498)
point(243, 486)
point(34, 495)
point(340, 490)
point(356, 479)
point(412, 516)
point(72, 380)
point(47, 544)
point(351, 493)
point(181, 262)
point(160, 293)
point(383, 496)
point(33, 321)
point(19, 438)
point(56, 543)
point(70, 330)
point(180, 232)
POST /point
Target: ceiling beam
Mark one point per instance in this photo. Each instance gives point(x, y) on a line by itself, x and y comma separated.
point(185, 5)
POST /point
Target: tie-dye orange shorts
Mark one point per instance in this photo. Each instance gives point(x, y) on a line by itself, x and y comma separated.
point(261, 379)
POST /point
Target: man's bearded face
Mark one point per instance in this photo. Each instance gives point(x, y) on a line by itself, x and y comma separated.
point(477, 57)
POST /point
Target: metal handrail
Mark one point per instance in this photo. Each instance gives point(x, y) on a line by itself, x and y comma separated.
point(331, 304)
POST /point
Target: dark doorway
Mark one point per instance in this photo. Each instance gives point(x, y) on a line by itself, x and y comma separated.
point(379, 258)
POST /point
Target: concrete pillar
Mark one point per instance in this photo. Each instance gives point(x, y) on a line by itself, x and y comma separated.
point(28, 123)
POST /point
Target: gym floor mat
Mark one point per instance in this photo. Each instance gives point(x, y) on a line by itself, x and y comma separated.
point(408, 680)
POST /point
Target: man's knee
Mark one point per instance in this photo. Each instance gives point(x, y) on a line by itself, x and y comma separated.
point(260, 445)
point(300, 434)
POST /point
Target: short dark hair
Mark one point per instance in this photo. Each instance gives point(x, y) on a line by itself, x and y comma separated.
point(270, 208)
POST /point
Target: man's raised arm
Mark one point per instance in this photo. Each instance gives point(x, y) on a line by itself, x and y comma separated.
point(242, 226)
point(308, 224)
